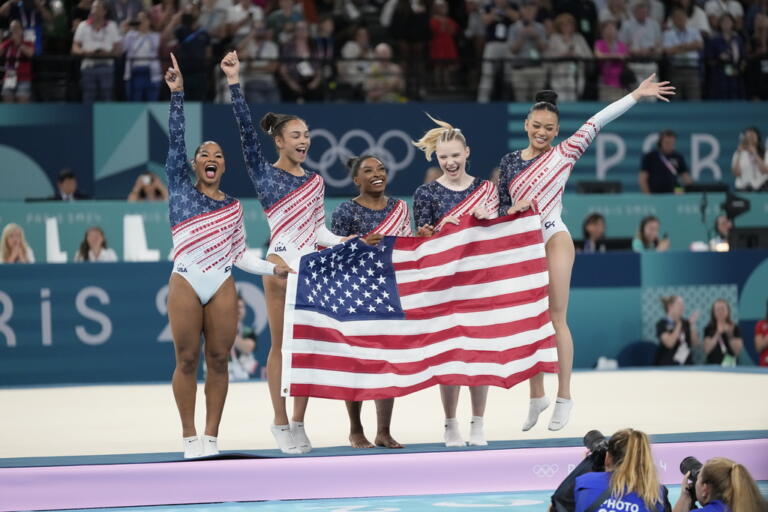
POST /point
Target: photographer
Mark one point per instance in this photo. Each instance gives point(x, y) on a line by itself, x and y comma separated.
point(629, 481)
point(148, 187)
point(721, 485)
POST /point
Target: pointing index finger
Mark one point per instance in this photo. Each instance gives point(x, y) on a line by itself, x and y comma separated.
point(175, 64)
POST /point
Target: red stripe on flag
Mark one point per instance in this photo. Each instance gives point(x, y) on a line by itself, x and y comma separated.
point(355, 394)
point(408, 341)
point(472, 249)
point(477, 305)
point(372, 366)
point(467, 277)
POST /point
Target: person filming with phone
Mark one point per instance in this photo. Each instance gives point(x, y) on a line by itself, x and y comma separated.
point(148, 187)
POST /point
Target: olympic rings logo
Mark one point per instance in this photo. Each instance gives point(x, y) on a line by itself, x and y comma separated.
point(338, 152)
point(545, 470)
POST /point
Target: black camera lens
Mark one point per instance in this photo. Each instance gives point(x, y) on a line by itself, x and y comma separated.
point(691, 465)
point(594, 440)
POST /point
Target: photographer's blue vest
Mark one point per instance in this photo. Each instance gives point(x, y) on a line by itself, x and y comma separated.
point(590, 486)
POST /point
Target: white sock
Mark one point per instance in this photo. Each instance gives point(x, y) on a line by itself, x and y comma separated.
point(284, 438)
point(476, 434)
point(452, 435)
point(536, 406)
point(193, 448)
point(302, 441)
point(562, 413)
point(210, 445)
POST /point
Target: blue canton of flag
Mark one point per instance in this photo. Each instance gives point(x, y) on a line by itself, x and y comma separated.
point(350, 281)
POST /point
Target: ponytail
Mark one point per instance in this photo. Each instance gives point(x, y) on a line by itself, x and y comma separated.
point(634, 469)
point(732, 483)
point(443, 133)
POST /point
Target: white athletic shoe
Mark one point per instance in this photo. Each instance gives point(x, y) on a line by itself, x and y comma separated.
point(210, 445)
point(302, 441)
point(452, 435)
point(284, 438)
point(193, 448)
point(476, 433)
point(562, 413)
point(536, 407)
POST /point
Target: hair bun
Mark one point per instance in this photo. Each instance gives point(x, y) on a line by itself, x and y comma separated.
point(546, 96)
point(352, 161)
point(268, 122)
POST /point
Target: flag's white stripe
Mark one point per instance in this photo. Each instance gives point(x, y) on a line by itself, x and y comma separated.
point(409, 355)
point(478, 262)
point(398, 327)
point(473, 234)
point(475, 291)
point(382, 380)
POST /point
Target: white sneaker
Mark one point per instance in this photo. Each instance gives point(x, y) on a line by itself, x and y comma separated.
point(284, 438)
point(210, 445)
point(452, 436)
point(193, 448)
point(302, 441)
point(536, 407)
point(476, 433)
point(562, 413)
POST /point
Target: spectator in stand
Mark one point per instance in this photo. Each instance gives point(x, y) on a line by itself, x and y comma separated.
point(544, 14)
point(259, 65)
point(715, 10)
point(96, 41)
point(142, 74)
point(17, 76)
point(642, 35)
point(213, 20)
point(385, 82)
point(498, 18)
point(193, 51)
point(723, 226)
point(443, 51)
point(749, 163)
point(240, 20)
point(353, 72)
point(123, 12)
point(407, 22)
point(14, 246)
point(663, 170)
point(162, 13)
point(722, 337)
point(611, 54)
point(148, 187)
point(761, 339)
point(325, 47)
point(727, 60)
point(527, 42)
point(756, 72)
point(616, 11)
point(301, 72)
point(80, 12)
point(682, 44)
point(586, 14)
point(475, 35)
point(33, 15)
point(696, 17)
point(647, 237)
point(286, 13)
point(593, 230)
point(756, 8)
point(94, 247)
point(66, 186)
point(567, 78)
point(677, 335)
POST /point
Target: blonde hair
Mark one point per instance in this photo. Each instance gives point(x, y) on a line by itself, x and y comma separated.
point(6, 251)
point(443, 133)
point(732, 483)
point(667, 301)
point(634, 469)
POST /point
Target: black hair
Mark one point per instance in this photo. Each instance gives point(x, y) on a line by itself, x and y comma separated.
point(85, 248)
point(760, 141)
point(648, 244)
point(678, 7)
point(203, 144)
point(592, 217)
point(272, 124)
point(717, 221)
point(545, 100)
point(354, 162)
point(712, 324)
point(65, 175)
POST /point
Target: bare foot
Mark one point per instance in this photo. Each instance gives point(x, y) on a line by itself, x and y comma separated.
point(387, 441)
point(358, 440)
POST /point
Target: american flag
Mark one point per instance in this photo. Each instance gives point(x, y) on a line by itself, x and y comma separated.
point(468, 306)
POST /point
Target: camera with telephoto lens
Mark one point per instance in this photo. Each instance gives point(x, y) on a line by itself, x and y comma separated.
point(691, 465)
point(563, 500)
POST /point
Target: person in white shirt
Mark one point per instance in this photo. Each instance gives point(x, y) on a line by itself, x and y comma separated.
point(97, 37)
point(682, 44)
point(642, 35)
point(241, 18)
point(750, 162)
point(94, 247)
point(142, 67)
point(716, 8)
point(258, 72)
point(696, 17)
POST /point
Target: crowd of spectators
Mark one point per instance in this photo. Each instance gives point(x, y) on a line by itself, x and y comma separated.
point(384, 50)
